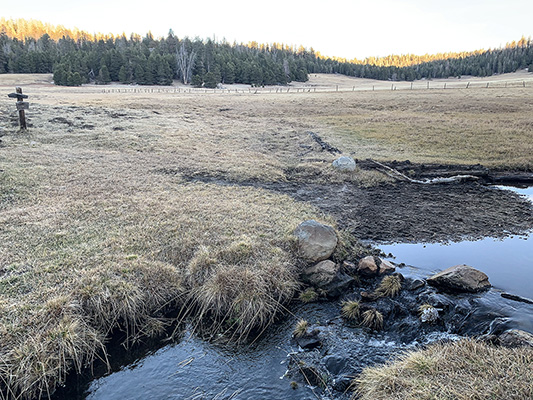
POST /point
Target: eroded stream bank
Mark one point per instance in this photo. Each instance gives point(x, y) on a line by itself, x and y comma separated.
point(276, 366)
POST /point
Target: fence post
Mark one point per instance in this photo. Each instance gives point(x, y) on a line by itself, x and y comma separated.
point(444, 85)
point(524, 83)
point(337, 89)
point(411, 85)
point(468, 84)
point(428, 84)
point(487, 84)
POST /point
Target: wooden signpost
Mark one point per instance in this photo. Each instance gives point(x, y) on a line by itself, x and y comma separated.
point(21, 106)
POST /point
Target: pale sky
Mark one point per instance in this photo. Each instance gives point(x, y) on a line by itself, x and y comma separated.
point(335, 28)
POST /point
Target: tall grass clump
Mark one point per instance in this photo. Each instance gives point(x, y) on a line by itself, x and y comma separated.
point(462, 370)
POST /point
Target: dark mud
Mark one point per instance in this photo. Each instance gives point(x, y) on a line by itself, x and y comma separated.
point(404, 211)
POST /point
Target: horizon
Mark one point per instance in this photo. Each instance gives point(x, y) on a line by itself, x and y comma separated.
point(456, 28)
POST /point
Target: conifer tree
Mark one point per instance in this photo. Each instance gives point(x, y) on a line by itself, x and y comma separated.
point(210, 80)
point(103, 76)
point(197, 81)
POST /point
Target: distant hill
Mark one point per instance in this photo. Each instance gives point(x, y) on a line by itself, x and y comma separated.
point(76, 57)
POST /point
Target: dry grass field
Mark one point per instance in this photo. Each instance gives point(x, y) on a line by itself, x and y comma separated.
point(107, 218)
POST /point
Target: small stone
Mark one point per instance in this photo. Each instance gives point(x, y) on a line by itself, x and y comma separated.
point(309, 341)
point(349, 267)
point(368, 266)
point(316, 241)
point(368, 296)
point(430, 314)
point(416, 284)
point(515, 338)
point(460, 278)
point(386, 267)
point(344, 163)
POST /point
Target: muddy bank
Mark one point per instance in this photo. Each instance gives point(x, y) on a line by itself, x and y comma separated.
point(409, 212)
point(404, 211)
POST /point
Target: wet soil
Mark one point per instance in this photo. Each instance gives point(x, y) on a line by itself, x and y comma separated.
point(405, 211)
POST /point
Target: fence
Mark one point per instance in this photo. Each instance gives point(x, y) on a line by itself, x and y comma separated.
point(419, 85)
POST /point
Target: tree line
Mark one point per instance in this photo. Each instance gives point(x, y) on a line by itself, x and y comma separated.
point(77, 57)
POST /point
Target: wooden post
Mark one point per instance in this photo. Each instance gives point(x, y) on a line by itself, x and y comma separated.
point(21, 106)
point(468, 84)
point(428, 84)
point(487, 84)
point(524, 83)
point(337, 88)
point(22, 115)
point(444, 85)
point(411, 85)
point(392, 87)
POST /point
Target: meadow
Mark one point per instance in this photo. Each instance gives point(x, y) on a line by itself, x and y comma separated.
point(113, 214)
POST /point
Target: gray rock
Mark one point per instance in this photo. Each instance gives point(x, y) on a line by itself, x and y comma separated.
point(460, 278)
point(339, 285)
point(386, 267)
point(344, 163)
point(336, 364)
point(368, 266)
point(316, 241)
point(515, 338)
point(326, 275)
point(321, 274)
point(309, 340)
point(416, 284)
point(429, 315)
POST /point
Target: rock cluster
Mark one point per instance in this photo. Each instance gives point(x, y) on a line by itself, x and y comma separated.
point(370, 266)
point(316, 243)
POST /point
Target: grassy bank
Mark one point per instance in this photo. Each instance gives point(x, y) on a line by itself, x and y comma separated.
point(117, 208)
point(459, 370)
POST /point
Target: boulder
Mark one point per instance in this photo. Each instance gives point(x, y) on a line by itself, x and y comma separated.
point(344, 163)
point(321, 274)
point(515, 338)
point(460, 278)
point(316, 241)
point(326, 275)
point(368, 266)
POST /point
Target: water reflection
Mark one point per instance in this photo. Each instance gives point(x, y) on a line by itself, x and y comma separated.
point(508, 262)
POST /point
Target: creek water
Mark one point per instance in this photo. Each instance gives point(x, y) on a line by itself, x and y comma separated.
point(508, 262)
point(194, 369)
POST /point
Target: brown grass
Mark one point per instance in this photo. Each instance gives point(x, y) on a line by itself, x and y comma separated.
point(453, 371)
point(389, 286)
point(117, 208)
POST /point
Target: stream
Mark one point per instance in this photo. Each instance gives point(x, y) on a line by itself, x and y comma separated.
point(194, 369)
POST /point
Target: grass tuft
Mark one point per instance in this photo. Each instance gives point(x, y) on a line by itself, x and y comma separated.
point(301, 328)
point(350, 310)
point(308, 295)
point(372, 319)
point(390, 286)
